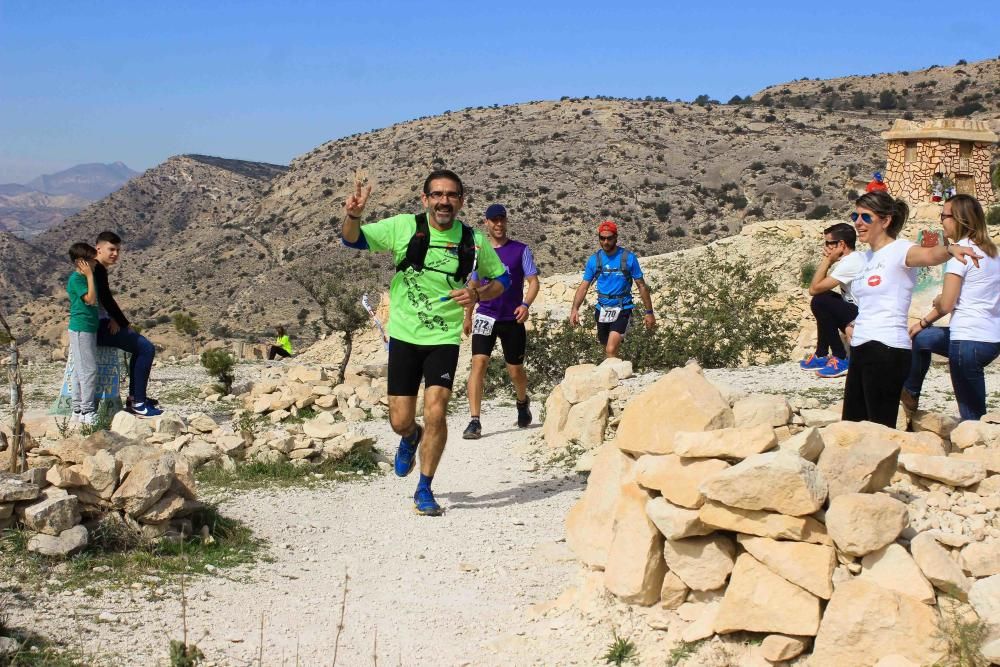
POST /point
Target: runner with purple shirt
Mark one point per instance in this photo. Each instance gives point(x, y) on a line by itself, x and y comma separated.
point(503, 318)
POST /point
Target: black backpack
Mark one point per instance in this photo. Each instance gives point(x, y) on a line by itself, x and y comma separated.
point(420, 242)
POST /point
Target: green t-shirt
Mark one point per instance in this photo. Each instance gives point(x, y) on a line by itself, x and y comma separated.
point(82, 317)
point(285, 343)
point(416, 312)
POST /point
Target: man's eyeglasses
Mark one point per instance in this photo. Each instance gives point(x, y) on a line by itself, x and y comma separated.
point(830, 243)
point(865, 217)
point(437, 194)
point(605, 238)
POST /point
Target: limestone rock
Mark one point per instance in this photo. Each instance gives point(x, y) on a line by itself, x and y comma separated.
point(702, 563)
point(198, 452)
point(861, 523)
point(809, 566)
point(127, 457)
point(306, 375)
point(6, 510)
point(590, 521)
point(635, 566)
point(703, 625)
point(682, 400)
point(975, 433)
point(673, 521)
point(939, 424)
point(731, 443)
point(847, 434)
point(767, 409)
point(951, 471)
point(71, 450)
point(323, 427)
point(586, 421)
point(808, 444)
point(780, 481)
point(895, 660)
point(758, 600)
point(585, 381)
point(202, 423)
point(764, 524)
point(864, 467)
point(13, 488)
point(621, 367)
point(673, 592)
point(943, 572)
point(101, 471)
point(52, 515)
point(865, 622)
point(164, 509)
point(984, 596)
point(676, 478)
point(66, 543)
point(169, 423)
point(981, 559)
point(145, 484)
point(892, 567)
point(988, 457)
point(129, 426)
point(776, 648)
point(813, 417)
point(65, 477)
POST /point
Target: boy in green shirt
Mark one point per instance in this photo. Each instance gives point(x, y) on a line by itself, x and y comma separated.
point(436, 279)
point(83, 313)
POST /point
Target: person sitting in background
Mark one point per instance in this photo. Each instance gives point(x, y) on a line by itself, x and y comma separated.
point(972, 296)
point(834, 312)
point(282, 345)
point(876, 184)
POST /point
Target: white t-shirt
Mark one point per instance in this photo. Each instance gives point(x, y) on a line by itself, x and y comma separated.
point(845, 271)
point(883, 291)
point(977, 312)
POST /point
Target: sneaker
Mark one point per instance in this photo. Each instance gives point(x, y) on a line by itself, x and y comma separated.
point(814, 363)
point(146, 410)
point(834, 368)
point(130, 403)
point(406, 454)
point(523, 413)
point(909, 401)
point(88, 418)
point(473, 431)
point(75, 419)
point(424, 503)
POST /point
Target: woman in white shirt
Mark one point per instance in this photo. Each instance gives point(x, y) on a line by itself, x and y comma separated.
point(972, 296)
point(880, 345)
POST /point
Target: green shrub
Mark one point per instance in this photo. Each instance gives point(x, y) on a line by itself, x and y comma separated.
point(993, 216)
point(185, 324)
point(806, 273)
point(219, 364)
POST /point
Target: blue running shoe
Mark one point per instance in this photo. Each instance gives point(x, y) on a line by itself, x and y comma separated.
point(834, 368)
point(146, 410)
point(814, 363)
point(406, 454)
point(424, 503)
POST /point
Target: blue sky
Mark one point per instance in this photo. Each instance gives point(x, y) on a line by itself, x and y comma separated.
point(93, 81)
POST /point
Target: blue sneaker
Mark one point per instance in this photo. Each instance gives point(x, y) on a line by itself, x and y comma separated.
point(814, 363)
point(424, 503)
point(146, 410)
point(834, 368)
point(406, 453)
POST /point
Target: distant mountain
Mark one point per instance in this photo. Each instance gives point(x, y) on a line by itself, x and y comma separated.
point(28, 210)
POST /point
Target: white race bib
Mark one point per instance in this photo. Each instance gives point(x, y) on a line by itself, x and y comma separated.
point(607, 315)
point(483, 325)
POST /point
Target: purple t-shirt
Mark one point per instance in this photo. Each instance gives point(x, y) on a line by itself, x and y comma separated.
point(520, 264)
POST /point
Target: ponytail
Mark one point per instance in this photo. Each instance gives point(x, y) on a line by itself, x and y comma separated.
point(883, 204)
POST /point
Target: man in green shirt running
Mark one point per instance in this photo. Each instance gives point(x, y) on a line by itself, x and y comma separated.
point(437, 260)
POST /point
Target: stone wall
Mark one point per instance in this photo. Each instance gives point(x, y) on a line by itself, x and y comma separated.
point(910, 180)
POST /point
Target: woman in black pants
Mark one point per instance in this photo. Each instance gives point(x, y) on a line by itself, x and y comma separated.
point(880, 346)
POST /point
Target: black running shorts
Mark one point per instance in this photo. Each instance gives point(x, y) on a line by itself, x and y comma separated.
point(619, 325)
point(513, 338)
point(409, 363)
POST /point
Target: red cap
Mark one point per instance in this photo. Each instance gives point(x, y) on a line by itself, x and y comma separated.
point(607, 226)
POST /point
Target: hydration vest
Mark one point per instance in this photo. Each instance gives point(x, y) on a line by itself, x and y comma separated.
point(420, 242)
point(604, 270)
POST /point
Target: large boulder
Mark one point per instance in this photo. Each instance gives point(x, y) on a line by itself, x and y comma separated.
point(682, 400)
point(780, 481)
point(101, 470)
point(129, 426)
point(951, 471)
point(587, 421)
point(730, 443)
point(758, 600)
point(763, 523)
point(66, 543)
point(148, 480)
point(702, 563)
point(847, 434)
point(635, 567)
point(673, 521)
point(865, 622)
point(940, 569)
point(807, 565)
point(587, 380)
point(13, 489)
point(861, 523)
point(676, 478)
point(892, 567)
point(864, 467)
point(590, 521)
point(52, 515)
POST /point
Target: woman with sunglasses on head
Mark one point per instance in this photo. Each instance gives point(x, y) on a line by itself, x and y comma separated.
point(880, 346)
point(972, 296)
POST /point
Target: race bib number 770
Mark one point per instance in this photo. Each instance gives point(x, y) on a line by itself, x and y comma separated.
point(607, 315)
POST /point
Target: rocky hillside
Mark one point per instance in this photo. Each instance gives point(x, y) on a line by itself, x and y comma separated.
point(17, 285)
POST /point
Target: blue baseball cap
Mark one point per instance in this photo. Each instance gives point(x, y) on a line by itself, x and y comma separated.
point(496, 211)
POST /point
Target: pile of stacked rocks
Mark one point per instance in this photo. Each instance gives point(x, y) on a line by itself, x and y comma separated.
point(282, 394)
point(852, 541)
point(589, 399)
point(79, 482)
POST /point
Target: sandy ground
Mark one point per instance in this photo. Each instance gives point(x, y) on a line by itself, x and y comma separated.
point(489, 583)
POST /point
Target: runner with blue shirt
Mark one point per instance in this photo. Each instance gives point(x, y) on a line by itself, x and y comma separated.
point(614, 269)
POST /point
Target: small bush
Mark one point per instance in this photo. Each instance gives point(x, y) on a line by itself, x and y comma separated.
point(819, 212)
point(219, 364)
point(185, 324)
point(993, 216)
point(621, 651)
point(806, 273)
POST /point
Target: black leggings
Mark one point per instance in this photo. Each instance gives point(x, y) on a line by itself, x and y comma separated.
point(833, 314)
point(874, 382)
point(277, 351)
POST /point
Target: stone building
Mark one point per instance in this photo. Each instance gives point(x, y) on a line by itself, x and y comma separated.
point(959, 149)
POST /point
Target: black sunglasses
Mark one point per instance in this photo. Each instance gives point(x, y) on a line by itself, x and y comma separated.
point(865, 218)
point(605, 238)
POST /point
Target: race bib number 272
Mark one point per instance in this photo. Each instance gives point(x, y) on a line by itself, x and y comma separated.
point(482, 325)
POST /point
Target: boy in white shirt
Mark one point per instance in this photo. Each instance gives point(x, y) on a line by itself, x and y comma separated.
point(834, 312)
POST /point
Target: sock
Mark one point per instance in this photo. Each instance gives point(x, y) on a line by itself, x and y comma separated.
point(414, 438)
point(474, 418)
point(425, 482)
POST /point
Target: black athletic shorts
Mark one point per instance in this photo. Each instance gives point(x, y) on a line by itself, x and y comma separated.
point(513, 338)
point(619, 325)
point(409, 363)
